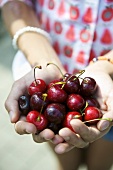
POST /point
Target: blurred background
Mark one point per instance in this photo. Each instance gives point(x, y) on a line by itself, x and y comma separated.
point(17, 152)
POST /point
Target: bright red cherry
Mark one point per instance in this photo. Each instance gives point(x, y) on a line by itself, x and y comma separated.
point(92, 113)
point(69, 116)
point(56, 94)
point(37, 119)
point(75, 102)
point(38, 85)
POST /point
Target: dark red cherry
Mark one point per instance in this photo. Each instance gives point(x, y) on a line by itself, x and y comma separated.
point(54, 127)
point(38, 100)
point(72, 85)
point(88, 86)
point(24, 104)
point(91, 101)
point(55, 112)
point(75, 102)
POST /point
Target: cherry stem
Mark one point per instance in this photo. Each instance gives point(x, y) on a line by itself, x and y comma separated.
point(108, 119)
point(76, 116)
point(44, 95)
point(81, 111)
point(57, 67)
point(38, 119)
point(39, 67)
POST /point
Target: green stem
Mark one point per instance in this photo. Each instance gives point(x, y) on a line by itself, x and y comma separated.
point(57, 67)
point(108, 119)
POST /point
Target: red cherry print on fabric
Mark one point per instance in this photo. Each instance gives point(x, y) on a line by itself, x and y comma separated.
point(61, 9)
point(68, 51)
point(106, 37)
point(47, 25)
point(105, 51)
point(71, 33)
point(58, 27)
point(66, 67)
point(75, 71)
point(85, 35)
point(81, 57)
point(88, 16)
point(107, 14)
point(51, 4)
point(41, 2)
point(74, 13)
point(56, 47)
point(109, 0)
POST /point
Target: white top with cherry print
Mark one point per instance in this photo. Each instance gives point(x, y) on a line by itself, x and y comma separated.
point(80, 29)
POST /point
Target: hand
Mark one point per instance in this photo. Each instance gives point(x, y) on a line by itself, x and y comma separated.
point(19, 88)
point(84, 134)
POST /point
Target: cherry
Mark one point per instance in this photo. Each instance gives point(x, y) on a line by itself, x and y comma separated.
point(92, 102)
point(75, 102)
point(69, 116)
point(55, 112)
point(54, 127)
point(38, 85)
point(56, 82)
point(92, 114)
point(88, 86)
point(38, 100)
point(56, 94)
point(37, 119)
point(72, 84)
point(24, 104)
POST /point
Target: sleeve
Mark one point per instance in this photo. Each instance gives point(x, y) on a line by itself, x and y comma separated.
point(28, 2)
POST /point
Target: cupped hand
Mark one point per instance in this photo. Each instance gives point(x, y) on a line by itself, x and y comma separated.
point(20, 88)
point(85, 135)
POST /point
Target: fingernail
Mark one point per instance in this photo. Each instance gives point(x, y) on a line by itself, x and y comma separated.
point(104, 125)
point(28, 132)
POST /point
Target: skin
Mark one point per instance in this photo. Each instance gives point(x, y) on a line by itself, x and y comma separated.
point(101, 71)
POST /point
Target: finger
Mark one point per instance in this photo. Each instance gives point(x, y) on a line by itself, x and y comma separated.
point(107, 121)
point(63, 147)
point(72, 138)
point(11, 103)
point(57, 139)
point(22, 127)
point(44, 136)
point(88, 134)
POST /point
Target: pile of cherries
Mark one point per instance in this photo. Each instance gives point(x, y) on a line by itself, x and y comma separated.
point(55, 104)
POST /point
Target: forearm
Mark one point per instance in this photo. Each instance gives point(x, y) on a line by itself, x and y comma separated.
point(17, 15)
point(36, 47)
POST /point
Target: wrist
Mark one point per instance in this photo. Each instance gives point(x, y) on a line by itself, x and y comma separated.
point(102, 63)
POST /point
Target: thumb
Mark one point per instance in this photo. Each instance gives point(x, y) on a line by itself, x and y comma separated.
point(106, 121)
